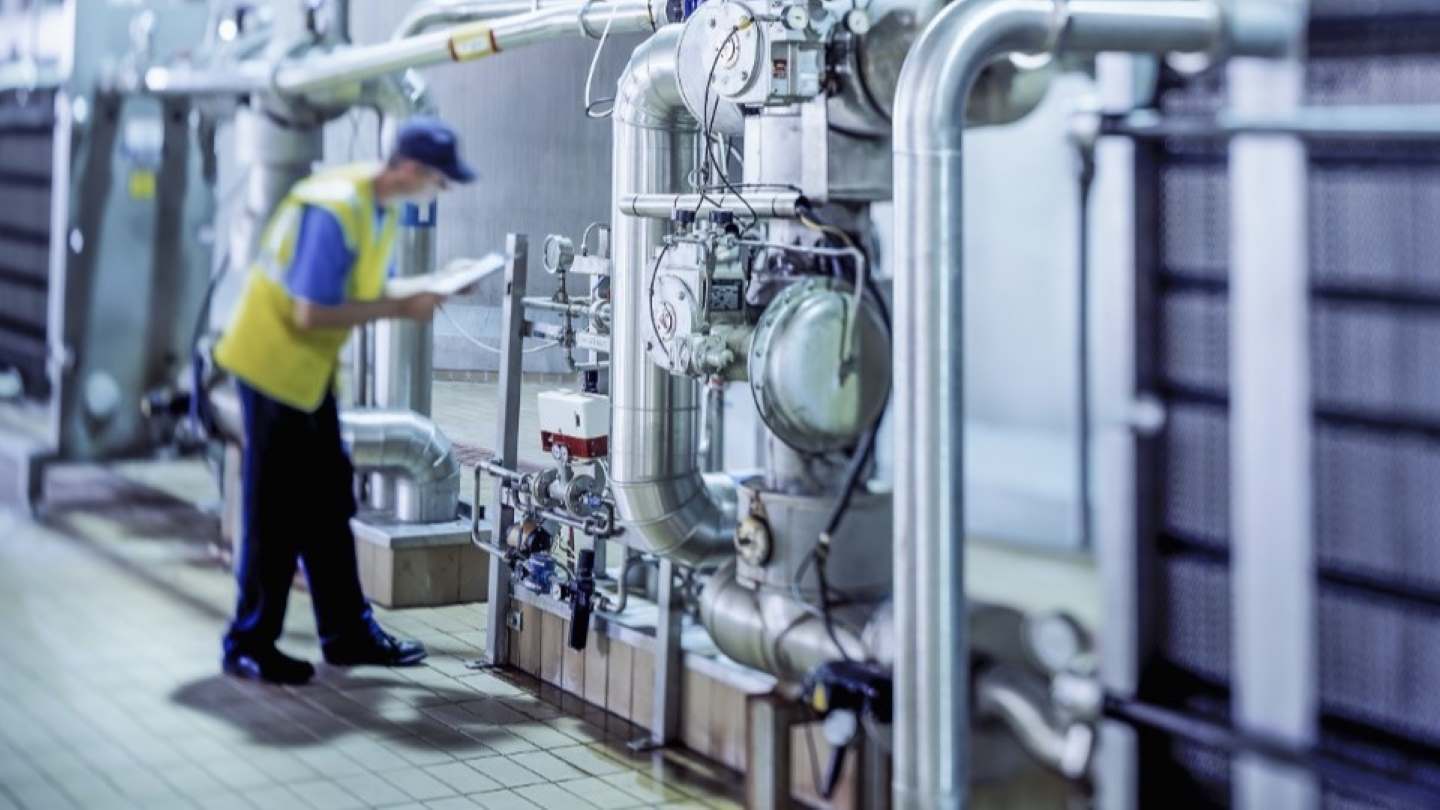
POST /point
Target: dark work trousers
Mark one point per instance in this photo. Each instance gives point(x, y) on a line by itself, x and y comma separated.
point(298, 501)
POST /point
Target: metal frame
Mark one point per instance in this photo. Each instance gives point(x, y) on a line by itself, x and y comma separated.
point(669, 657)
point(507, 442)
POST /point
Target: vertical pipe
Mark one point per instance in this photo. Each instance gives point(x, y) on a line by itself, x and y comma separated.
point(932, 652)
point(667, 507)
point(1272, 536)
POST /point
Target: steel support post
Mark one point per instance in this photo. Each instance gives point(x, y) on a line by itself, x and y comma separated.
point(507, 441)
point(669, 668)
point(767, 752)
point(1272, 533)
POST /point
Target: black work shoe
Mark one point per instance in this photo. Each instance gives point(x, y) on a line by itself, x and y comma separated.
point(269, 666)
point(376, 648)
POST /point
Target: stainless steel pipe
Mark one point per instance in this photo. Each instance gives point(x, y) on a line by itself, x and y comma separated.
point(464, 42)
point(932, 655)
point(764, 204)
point(411, 445)
point(667, 507)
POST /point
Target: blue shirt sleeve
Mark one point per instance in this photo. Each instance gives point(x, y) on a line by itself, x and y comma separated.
point(320, 269)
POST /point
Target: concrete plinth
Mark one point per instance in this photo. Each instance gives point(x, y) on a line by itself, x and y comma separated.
point(414, 565)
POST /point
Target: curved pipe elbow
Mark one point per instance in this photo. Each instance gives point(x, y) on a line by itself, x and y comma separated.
point(946, 61)
point(648, 93)
point(689, 518)
point(399, 440)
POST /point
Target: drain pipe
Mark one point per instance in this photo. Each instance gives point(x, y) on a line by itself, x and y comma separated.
point(667, 506)
point(932, 655)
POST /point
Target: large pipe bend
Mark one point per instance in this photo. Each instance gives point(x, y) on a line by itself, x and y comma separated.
point(932, 653)
point(667, 506)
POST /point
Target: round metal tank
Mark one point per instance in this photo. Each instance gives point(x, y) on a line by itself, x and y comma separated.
point(813, 392)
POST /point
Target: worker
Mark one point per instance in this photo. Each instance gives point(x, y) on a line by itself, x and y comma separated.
point(320, 272)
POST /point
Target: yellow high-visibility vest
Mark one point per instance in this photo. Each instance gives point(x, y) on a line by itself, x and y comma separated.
point(262, 344)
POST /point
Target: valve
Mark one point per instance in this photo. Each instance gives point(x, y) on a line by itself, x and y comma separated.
point(580, 592)
point(843, 692)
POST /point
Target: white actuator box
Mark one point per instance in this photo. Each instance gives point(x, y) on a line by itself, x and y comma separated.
point(578, 422)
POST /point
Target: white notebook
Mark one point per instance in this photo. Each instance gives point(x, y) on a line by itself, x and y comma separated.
point(454, 277)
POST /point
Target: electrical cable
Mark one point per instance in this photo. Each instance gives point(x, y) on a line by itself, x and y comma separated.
point(650, 297)
point(855, 470)
point(708, 113)
point(590, 111)
point(549, 344)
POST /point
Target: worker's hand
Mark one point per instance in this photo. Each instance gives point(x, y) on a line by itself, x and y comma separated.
point(420, 306)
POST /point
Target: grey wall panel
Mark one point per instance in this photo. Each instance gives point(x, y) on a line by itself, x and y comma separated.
point(1195, 218)
point(25, 152)
point(1372, 227)
point(1196, 606)
point(544, 167)
point(1196, 480)
point(1379, 663)
point(1376, 506)
point(24, 256)
point(1377, 359)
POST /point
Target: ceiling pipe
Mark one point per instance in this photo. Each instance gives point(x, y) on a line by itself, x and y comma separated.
point(932, 656)
point(462, 43)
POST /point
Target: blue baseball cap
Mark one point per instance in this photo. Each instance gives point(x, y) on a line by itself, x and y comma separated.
point(433, 142)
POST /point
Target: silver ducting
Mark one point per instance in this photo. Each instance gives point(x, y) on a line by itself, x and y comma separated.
point(394, 441)
point(411, 445)
point(667, 506)
point(932, 656)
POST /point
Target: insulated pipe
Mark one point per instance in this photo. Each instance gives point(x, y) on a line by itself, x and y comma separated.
point(764, 204)
point(464, 42)
point(413, 446)
point(932, 655)
point(667, 507)
point(398, 441)
point(769, 630)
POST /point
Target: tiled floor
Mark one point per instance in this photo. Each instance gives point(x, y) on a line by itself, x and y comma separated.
point(110, 614)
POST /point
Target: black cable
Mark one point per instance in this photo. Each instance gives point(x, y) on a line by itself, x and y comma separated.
point(708, 113)
point(707, 119)
point(815, 558)
point(650, 296)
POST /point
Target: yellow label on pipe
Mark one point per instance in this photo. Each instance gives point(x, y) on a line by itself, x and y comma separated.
point(142, 184)
point(472, 42)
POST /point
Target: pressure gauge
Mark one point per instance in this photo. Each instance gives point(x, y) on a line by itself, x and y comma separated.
point(796, 18)
point(559, 253)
